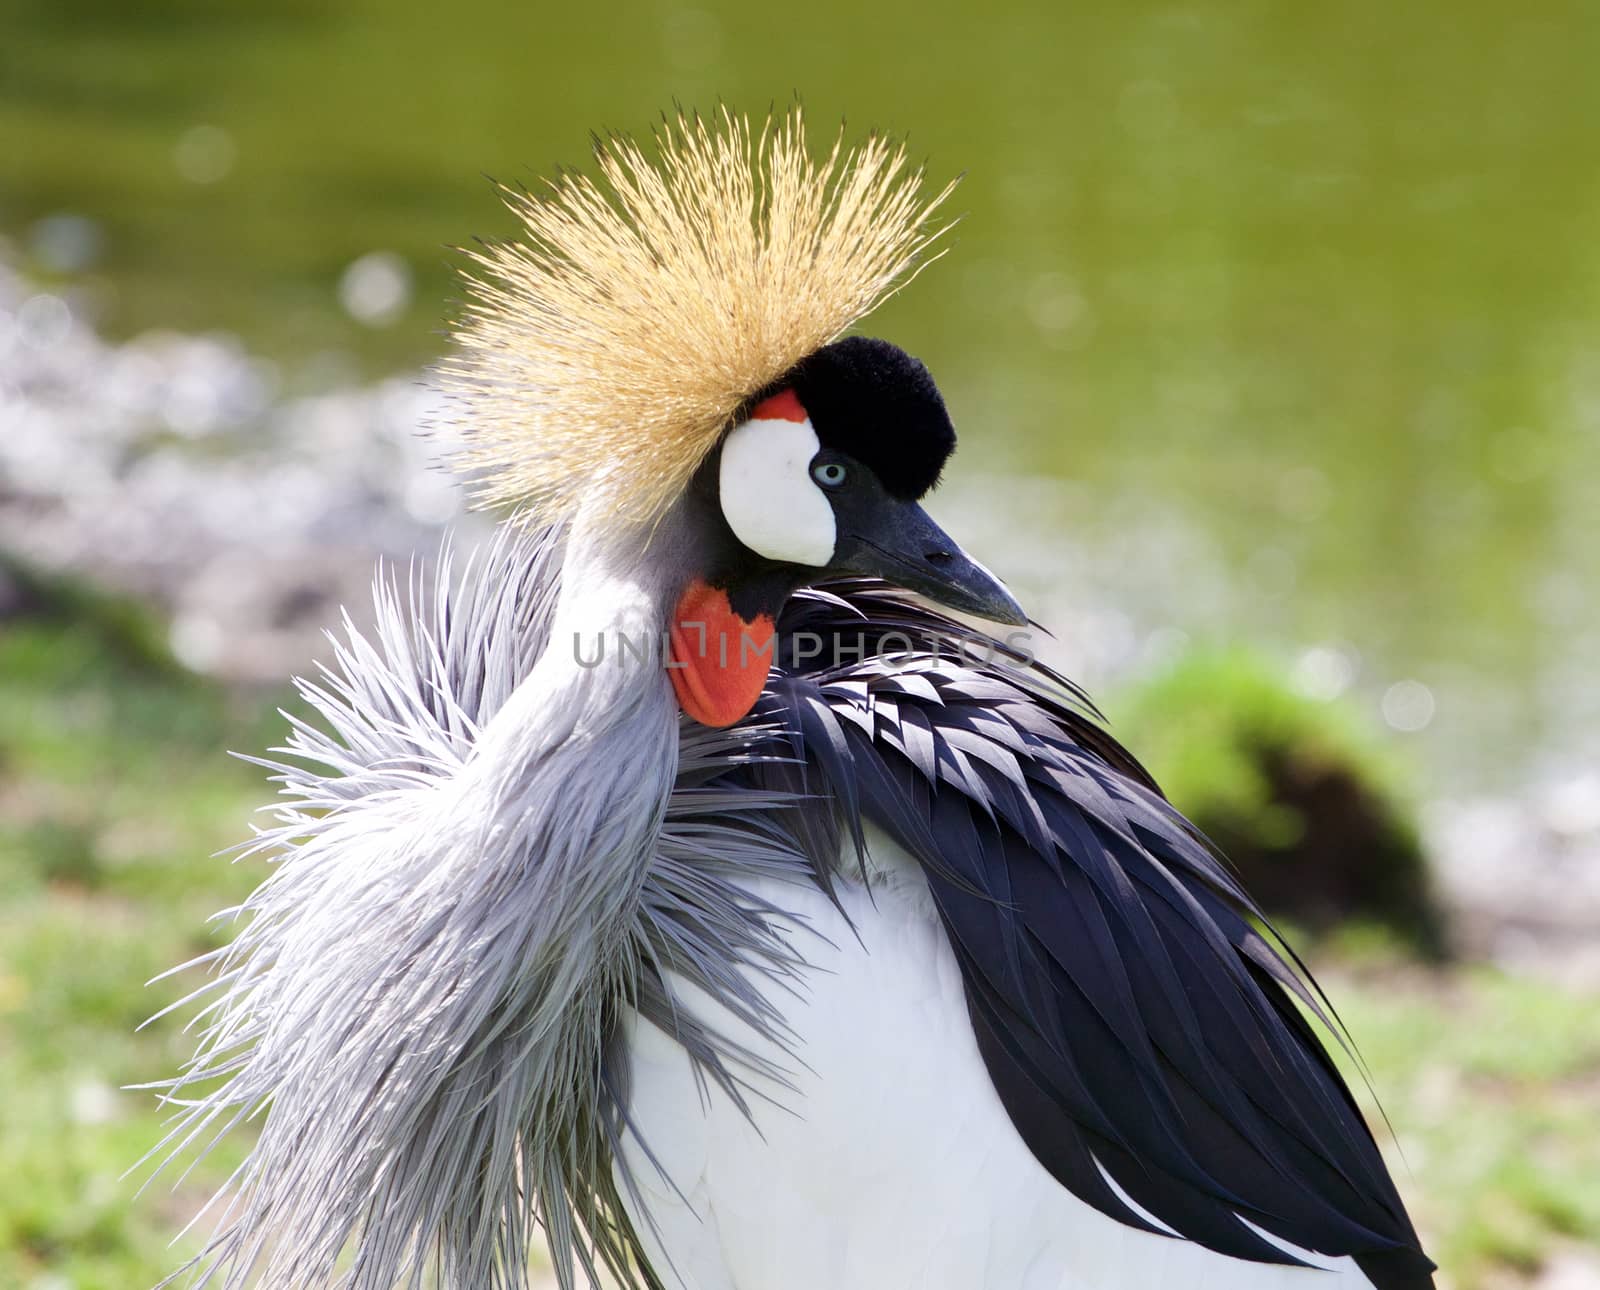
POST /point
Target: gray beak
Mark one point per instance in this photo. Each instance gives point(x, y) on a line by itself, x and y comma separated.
point(901, 544)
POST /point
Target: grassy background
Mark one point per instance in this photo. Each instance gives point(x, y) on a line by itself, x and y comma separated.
point(113, 797)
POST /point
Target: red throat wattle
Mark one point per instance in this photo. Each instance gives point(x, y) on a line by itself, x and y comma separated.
point(719, 660)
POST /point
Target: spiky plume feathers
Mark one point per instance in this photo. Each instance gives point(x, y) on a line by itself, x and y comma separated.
point(607, 349)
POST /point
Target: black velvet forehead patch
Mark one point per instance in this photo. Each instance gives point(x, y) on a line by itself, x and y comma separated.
point(872, 401)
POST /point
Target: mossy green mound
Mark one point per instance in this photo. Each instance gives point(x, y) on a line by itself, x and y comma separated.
point(1294, 790)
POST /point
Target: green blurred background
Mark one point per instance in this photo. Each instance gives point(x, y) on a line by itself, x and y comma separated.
point(1277, 323)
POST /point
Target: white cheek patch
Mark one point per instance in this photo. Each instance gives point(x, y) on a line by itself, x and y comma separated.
point(768, 496)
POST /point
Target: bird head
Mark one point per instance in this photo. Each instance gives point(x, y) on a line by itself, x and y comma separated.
point(821, 476)
point(668, 342)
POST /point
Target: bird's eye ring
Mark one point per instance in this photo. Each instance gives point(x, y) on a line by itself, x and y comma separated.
point(830, 474)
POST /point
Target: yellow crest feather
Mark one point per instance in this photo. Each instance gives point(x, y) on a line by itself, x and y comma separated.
point(607, 350)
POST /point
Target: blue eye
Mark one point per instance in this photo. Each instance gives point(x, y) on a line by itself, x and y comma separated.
point(830, 474)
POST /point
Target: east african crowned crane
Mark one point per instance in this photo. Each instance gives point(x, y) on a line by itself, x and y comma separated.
point(673, 883)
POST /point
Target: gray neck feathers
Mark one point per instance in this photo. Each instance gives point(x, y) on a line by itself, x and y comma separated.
point(424, 987)
point(588, 710)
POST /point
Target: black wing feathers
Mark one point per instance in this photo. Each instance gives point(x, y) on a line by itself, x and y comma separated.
point(1137, 1026)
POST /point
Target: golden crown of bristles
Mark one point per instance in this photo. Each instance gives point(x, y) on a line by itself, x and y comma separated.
point(606, 351)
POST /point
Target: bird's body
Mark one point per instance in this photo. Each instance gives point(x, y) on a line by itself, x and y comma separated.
point(885, 1160)
point(676, 884)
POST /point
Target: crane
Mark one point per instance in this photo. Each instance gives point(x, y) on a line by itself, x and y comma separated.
point(688, 883)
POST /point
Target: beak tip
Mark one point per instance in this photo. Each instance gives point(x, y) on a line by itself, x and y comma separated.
point(996, 603)
point(1015, 615)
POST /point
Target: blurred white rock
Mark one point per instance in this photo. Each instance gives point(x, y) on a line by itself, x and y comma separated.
point(171, 467)
point(1521, 876)
point(376, 289)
